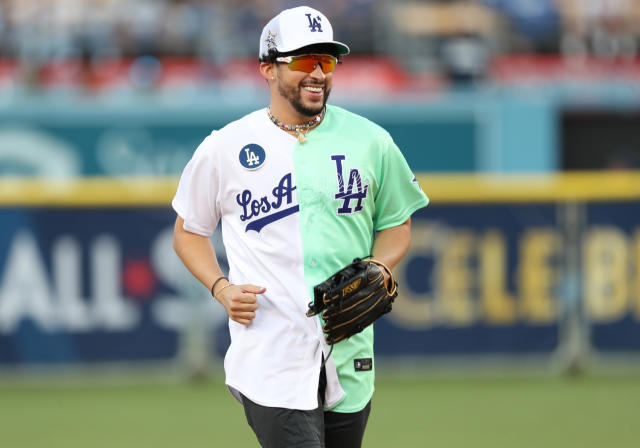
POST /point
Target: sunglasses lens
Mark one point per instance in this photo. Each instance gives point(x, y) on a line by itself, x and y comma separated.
point(308, 63)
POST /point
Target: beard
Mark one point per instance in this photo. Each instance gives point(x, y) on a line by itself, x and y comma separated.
point(293, 94)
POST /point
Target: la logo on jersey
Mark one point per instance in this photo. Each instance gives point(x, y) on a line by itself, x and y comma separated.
point(252, 156)
point(314, 23)
point(348, 195)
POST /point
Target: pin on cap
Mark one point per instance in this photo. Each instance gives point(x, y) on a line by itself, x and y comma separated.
point(296, 28)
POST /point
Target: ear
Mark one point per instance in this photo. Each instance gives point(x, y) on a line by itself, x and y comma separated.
point(268, 71)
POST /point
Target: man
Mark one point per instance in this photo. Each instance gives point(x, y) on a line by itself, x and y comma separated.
point(300, 188)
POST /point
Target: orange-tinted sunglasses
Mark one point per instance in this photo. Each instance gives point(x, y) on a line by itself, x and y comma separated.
point(308, 62)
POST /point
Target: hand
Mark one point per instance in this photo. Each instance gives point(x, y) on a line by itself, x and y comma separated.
point(240, 302)
point(387, 277)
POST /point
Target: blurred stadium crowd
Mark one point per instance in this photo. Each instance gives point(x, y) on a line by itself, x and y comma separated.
point(97, 42)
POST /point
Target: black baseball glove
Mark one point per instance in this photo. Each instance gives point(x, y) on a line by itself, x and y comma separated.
point(352, 299)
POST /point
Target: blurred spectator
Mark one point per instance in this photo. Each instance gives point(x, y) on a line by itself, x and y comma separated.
point(605, 28)
point(465, 58)
point(451, 39)
point(53, 29)
point(534, 23)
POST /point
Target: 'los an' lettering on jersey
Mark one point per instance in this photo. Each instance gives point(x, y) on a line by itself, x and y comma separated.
point(292, 214)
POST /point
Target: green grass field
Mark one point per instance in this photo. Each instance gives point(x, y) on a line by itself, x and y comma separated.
point(410, 412)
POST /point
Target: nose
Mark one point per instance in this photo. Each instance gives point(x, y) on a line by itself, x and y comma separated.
point(317, 71)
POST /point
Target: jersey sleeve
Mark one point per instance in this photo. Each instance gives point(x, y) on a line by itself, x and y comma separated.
point(196, 198)
point(399, 194)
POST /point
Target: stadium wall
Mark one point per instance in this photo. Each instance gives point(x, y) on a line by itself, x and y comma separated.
point(155, 136)
point(513, 267)
point(493, 129)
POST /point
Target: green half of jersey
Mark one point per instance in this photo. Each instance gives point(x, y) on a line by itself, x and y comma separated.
point(352, 181)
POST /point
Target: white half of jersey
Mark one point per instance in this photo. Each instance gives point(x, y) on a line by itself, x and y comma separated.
point(275, 361)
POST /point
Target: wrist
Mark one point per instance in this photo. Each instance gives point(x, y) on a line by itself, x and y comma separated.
point(217, 292)
point(215, 283)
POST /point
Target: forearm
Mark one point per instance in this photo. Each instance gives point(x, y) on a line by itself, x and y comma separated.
point(391, 244)
point(197, 254)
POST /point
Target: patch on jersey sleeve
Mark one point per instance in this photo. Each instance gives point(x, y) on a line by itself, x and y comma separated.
point(252, 156)
point(415, 181)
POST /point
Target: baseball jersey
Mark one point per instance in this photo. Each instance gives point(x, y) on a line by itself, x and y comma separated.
point(292, 214)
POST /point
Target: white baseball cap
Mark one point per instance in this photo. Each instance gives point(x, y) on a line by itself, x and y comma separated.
point(296, 28)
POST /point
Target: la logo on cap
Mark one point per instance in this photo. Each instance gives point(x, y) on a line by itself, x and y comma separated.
point(314, 23)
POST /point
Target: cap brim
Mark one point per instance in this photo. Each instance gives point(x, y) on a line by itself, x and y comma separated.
point(338, 47)
point(342, 48)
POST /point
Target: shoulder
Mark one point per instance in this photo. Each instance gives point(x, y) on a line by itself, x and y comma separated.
point(233, 132)
point(351, 122)
point(359, 133)
point(238, 128)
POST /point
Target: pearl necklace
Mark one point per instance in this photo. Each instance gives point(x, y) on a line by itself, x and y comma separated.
point(300, 129)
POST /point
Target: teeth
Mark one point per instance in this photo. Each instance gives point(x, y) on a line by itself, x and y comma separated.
point(313, 89)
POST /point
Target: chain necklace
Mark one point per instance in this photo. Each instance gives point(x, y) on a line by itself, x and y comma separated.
point(300, 129)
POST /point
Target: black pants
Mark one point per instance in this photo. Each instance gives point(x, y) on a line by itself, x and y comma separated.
point(345, 430)
point(292, 428)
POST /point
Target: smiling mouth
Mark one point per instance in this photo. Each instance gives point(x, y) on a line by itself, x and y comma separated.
point(313, 89)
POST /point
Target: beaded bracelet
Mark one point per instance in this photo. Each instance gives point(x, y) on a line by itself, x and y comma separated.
point(216, 282)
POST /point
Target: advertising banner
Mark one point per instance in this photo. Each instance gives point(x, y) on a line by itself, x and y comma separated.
point(86, 283)
point(611, 275)
point(82, 285)
point(478, 279)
